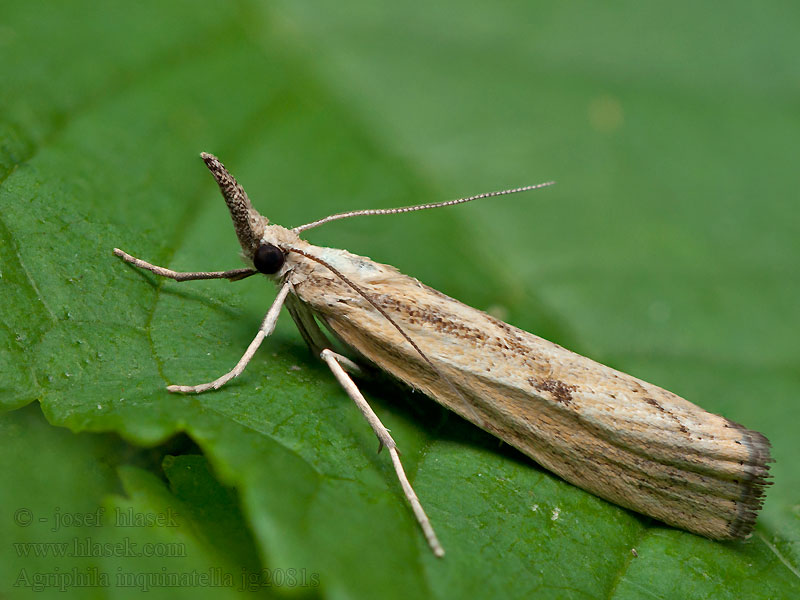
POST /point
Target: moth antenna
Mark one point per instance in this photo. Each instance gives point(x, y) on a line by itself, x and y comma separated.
point(405, 209)
point(378, 307)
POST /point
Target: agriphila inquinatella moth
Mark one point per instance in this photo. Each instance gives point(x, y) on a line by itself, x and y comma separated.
point(614, 435)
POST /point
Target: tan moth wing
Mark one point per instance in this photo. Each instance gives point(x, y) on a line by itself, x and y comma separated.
point(619, 437)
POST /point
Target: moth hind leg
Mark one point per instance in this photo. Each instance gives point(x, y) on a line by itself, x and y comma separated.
point(385, 440)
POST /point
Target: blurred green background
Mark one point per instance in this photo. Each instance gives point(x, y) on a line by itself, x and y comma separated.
point(668, 249)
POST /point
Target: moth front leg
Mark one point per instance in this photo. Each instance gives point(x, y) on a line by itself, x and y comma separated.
point(385, 439)
point(267, 327)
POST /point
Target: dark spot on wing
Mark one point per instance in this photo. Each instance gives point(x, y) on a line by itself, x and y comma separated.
point(560, 391)
point(654, 403)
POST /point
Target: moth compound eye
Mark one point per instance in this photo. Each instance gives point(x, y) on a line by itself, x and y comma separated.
point(268, 259)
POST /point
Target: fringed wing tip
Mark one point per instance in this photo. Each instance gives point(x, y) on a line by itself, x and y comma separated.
point(754, 483)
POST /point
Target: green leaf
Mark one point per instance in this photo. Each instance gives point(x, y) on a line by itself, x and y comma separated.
point(68, 529)
point(668, 250)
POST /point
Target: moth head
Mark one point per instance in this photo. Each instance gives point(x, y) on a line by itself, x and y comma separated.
point(261, 242)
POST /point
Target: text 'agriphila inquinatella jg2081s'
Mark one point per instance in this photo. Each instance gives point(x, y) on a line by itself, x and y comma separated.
point(614, 435)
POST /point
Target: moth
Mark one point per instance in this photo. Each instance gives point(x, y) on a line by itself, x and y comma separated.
point(616, 436)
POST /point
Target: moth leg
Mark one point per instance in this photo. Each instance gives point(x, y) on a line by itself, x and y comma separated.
point(267, 327)
point(315, 338)
point(233, 274)
point(348, 365)
point(303, 318)
point(385, 439)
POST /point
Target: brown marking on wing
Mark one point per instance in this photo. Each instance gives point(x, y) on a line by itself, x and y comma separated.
point(561, 392)
point(440, 321)
point(655, 404)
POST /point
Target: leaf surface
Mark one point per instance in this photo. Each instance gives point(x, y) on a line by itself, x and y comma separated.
point(669, 250)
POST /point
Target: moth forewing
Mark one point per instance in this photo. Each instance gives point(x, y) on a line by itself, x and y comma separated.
point(619, 437)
